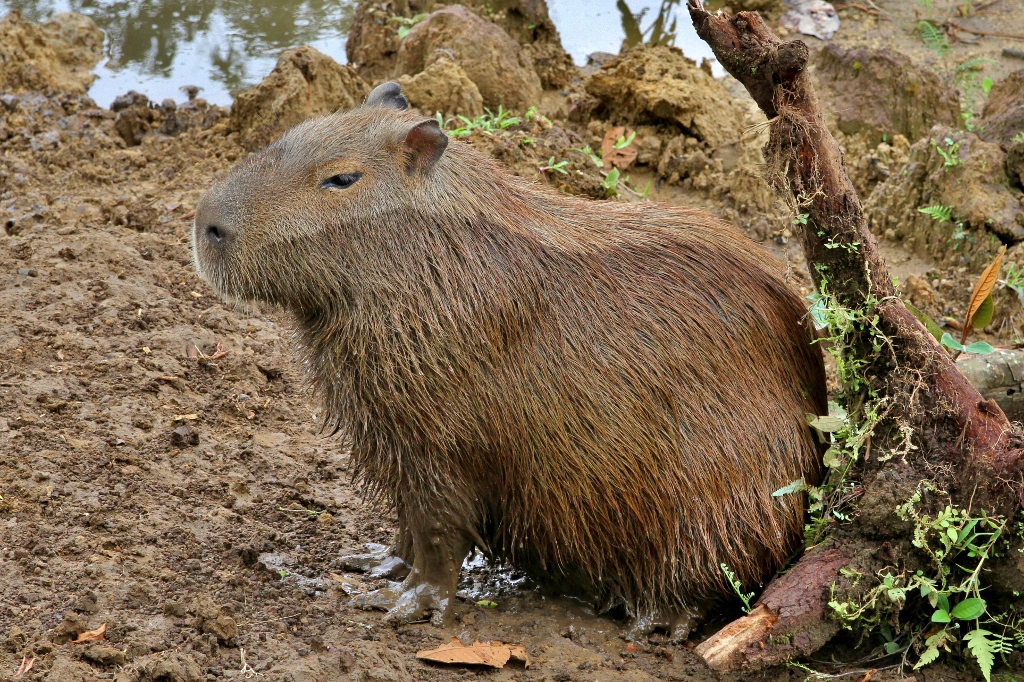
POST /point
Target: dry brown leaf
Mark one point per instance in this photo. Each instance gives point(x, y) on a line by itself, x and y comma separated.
point(91, 635)
point(26, 665)
point(493, 654)
point(982, 289)
point(620, 158)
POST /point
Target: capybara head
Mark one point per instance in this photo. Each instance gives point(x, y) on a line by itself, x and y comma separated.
point(281, 228)
point(604, 394)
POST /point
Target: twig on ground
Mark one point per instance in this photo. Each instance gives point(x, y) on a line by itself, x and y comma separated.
point(980, 32)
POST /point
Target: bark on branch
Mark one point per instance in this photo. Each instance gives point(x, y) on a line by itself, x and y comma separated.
point(964, 430)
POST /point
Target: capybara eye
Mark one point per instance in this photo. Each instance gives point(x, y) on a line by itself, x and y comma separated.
point(341, 181)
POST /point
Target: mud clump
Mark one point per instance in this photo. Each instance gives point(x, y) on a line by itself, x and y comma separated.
point(372, 44)
point(879, 97)
point(1002, 122)
point(658, 84)
point(304, 83)
point(57, 55)
point(137, 116)
point(955, 170)
point(1003, 116)
point(373, 40)
point(443, 87)
point(882, 93)
point(490, 58)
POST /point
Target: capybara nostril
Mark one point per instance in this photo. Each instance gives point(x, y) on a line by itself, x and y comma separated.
point(217, 236)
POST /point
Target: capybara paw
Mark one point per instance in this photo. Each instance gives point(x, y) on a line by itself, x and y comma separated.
point(416, 603)
point(383, 599)
point(377, 562)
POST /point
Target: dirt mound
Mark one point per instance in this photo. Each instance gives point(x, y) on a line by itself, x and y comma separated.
point(881, 93)
point(1003, 116)
point(58, 55)
point(305, 82)
point(528, 22)
point(373, 40)
point(490, 57)
point(443, 87)
point(972, 209)
point(652, 85)
point(372, 44)
point(137, 116)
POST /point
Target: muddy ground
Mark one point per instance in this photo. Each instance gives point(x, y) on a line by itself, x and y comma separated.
point(162, 470)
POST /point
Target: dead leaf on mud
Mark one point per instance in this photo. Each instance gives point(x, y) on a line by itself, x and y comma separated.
point(621, 157)
point(91, 635)
point(185, 417)
point(26, 665)
point(494, 654)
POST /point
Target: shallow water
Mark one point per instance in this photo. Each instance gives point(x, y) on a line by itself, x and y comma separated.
point(223, 46)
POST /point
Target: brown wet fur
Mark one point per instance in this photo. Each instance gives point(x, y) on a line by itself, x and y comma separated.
point(603, 394)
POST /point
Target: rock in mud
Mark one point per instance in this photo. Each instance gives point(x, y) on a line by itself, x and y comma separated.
point(211, 619)
point(443, 87)
point(954, 169)
point(104, 655)
point(66, 670)
point(172, 667)
point(57, 55)
point(304, 83)
point(652, 85)
point(881, 93)
point(1003, 116)
point(490, 57)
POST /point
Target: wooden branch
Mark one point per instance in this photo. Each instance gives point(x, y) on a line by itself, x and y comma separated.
point(787, 621)
point(963, 429)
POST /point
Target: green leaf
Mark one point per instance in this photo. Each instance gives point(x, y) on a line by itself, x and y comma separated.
point(929, 656)
point(940, 616)
point(983, 315)
point(831, 458)
point(951, 534)
point(969, 609)
point(931, 325)
point(986, 84)
point(982, 647)
point(979, 348)
point(790, 488)
point(948, 341)
point(943, 602)
point(892, 647)
point(825, 423)
point(487, 604)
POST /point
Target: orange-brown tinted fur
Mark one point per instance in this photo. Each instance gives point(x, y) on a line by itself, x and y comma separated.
point(601, 390)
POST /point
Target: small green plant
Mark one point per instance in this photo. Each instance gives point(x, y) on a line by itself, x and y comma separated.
point(624, 141)
point(557, 167)
point(590, 154)
point(933, 37)
point(405, 24)
point(950, 154)
point(1018, 138)
point(1014, 280)
point(737, 587)
point(800, 219)
point(937, 212)
point(610, 183)
point(489, 122)
point(945, 606)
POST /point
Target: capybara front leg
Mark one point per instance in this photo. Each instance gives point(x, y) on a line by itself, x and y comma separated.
point(430, 587)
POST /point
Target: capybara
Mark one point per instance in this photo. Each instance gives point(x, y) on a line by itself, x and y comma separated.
point(601, 394)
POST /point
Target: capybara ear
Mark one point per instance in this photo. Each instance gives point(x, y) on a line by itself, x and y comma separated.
point(387, 95)
point(424, 145)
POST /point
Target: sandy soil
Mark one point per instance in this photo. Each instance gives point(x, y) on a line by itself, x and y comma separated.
point(162, 469)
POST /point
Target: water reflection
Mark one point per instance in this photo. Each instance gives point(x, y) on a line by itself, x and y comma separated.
point(223, 46)
point(662, 30)
point(156, 39)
